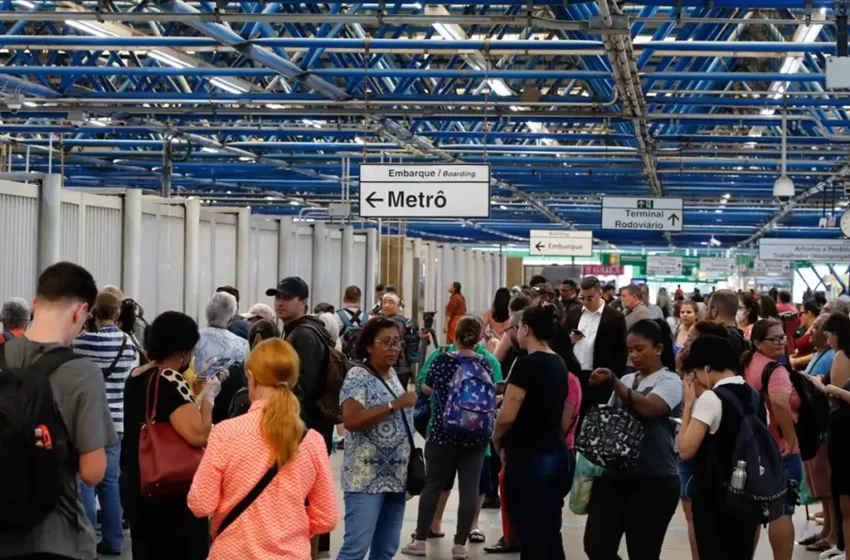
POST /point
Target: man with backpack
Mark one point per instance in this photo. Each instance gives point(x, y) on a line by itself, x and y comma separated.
point(409, 333)
point(14, 316)
point(322, 368)
point(54, 425)
point(723, 308)
point(351, 319)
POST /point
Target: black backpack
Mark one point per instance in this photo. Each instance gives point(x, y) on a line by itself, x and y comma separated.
point(813, 414)
point(765, 492)
point(33, 441)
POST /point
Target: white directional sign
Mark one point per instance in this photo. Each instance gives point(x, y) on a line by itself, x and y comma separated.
point(646, 214)
point(663, 266)
point(812, 250)
point(424, 190)
point(560, 243)
point(712, 265)
point(771, 267)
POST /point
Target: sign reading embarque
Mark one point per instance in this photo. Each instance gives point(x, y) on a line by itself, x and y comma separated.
point(424, 190)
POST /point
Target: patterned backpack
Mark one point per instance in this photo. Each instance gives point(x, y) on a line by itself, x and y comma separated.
point(471, 406)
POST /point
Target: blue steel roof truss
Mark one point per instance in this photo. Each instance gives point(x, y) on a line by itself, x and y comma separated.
point(280, 105)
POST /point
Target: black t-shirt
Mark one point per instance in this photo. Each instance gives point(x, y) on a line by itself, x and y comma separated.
point(538, 425)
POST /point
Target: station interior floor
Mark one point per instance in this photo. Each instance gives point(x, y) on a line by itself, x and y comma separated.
point(675, 545)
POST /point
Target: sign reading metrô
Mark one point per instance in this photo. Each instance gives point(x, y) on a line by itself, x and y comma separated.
point(560, 243)
point(812, 250)
point(439, 190)
point(645, 214)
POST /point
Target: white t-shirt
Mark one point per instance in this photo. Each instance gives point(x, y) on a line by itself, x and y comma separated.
point(708, 409)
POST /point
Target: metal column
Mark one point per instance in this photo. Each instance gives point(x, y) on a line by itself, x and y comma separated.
point(318, 290)
point(192, 256)
point(243, 252)
point(50, 222)
point(347, 260)
point(132, 269)
point(371, 267)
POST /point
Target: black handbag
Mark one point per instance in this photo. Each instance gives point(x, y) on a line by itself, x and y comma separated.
point(416, 464)
point(610, 437)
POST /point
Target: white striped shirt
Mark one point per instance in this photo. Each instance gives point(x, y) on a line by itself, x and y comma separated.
point(102, 347)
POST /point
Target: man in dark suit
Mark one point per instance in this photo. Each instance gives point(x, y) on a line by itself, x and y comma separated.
point(598, 332)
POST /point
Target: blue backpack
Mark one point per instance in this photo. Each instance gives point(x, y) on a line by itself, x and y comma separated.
point(764, 495)
point(471, 405)
point(352, 326)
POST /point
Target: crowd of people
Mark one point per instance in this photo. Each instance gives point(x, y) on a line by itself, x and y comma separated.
point(214, 442)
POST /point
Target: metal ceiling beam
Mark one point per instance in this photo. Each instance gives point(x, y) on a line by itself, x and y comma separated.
point(387, 126)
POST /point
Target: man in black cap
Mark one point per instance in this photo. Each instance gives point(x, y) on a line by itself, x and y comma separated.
point(308, 337)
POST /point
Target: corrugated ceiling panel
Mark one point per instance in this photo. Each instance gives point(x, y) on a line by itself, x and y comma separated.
point(103, 245)
point(19, 248)
point(70, 232)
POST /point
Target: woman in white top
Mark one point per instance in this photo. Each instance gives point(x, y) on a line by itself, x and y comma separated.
point(710, 424)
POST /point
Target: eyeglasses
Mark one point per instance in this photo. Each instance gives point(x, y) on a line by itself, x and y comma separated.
point(388, 342)
point(779, 339)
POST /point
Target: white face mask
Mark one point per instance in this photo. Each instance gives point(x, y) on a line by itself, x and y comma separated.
point(742, 316)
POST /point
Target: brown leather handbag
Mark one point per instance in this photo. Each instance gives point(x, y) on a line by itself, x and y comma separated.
point(167, 463)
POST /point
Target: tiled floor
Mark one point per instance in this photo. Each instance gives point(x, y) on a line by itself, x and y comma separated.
point(675, 546)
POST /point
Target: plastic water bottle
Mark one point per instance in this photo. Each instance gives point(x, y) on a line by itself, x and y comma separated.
point(739, 476)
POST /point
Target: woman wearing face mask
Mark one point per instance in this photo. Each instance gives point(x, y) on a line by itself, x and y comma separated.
point(748, 313)
point(639, 501)
point(687, 319)
point(708, 436)
point(163, 526)
point(783, 406)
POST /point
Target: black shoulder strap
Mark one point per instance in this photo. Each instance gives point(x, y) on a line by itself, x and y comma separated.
point(736, 402)
point(255, 492)
point(108, 371)
point(765, 375)
point(386, 385)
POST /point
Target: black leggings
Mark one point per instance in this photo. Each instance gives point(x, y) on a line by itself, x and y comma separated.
point(639, 508)
point(719, 535)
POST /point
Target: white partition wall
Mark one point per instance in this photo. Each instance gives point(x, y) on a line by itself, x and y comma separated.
point(333, 284)
point(98, 233)
point(407, 273)
point(70, 214)
point(263, 262)
point(19, 249)
point(304, 256)
point(358, 269)
point(162, 257)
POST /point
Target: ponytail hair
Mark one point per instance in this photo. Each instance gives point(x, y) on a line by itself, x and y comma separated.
point(274, 363)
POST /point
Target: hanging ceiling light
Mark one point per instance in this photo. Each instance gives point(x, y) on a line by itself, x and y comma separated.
point(784, 186)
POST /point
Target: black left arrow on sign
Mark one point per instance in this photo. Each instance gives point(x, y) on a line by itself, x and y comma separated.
point(372, 200)
point(539, 246)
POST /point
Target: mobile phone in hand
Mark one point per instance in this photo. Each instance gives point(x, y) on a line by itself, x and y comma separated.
point(214, 366)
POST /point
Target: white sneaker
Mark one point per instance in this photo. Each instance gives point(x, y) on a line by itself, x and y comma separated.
point(415, 548)
point(831, 554)
point(459, 552)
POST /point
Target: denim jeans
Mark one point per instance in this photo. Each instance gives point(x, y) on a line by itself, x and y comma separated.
point(110, 501)
point(535, 487)
point(794, 475)
point(372, 523)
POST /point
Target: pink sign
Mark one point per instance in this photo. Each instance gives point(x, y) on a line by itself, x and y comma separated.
point(602, 270)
